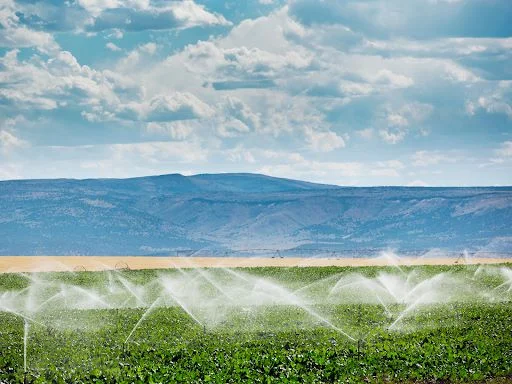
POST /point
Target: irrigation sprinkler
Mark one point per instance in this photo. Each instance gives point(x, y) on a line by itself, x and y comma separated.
point(25, 341)
point(360, 345)
point(224, 296)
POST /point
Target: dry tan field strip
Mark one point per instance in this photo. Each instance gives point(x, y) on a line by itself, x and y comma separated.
point(97, 263)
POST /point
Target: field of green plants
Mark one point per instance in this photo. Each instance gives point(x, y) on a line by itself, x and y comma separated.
point(296, 325)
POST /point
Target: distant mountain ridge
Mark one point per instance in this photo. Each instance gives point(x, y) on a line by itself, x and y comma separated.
point(162, 214)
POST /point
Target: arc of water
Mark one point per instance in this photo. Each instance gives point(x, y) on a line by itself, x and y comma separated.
point(372, 285)
point(21, 291)
point(295, 300)
point(509, 283)
point(325, 321)
point(128, 286)
point(184, 307)
point(318, 282)
point(19, 314)
point(430, 281)
point(406, 311)
point(339, 286)
point(217, 286)
point(29, 276)
point(144, 315)
point(185, 274)
point(236, 274)
point(95, 298)
point(58, 294)
point(388, 312)
point(398, 293)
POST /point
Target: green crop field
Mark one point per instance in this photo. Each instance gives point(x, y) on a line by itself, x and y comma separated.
point(413, 325)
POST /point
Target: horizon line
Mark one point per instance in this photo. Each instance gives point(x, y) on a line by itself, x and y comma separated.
point(258, 174)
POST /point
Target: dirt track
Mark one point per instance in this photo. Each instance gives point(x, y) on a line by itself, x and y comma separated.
point(95, 263)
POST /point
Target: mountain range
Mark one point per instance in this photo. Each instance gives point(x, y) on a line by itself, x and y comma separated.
point(169, 214)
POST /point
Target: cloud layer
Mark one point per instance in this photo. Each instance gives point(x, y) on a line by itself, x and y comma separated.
point(357, 92)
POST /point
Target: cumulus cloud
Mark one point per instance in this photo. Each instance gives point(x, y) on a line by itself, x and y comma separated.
point(240, 154)
point(498, 101)
point(293, 78)
point(242, 65)
point(399, 121)
point(9, 142)
point(177, 130)
point(234, 117)
point(166, 107)
point(112, 47)
point(117, 15)
point(60, 81)
point(323, 141)
point(13, 34)
point(144, 15)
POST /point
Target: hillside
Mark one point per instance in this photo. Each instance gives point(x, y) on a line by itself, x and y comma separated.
point(162, 214)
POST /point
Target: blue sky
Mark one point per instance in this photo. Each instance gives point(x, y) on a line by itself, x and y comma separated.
point(367, 92)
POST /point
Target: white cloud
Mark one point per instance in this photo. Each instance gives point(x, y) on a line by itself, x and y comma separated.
point(234, 117)
point(387, 168)
point(386, 76)
point(239, 154)
point(323, 141)
point(177, 130)
point(134, 15)
point(113, 47)
point(270, 82)
point(191, 14)
point(167, 107)
point(392, 135)
point(494, 102)
point(57, 82)
point(15, 35)
point(218, 63)
point(9, 142)
point(399, 121)
point(148, 48)
point(116, 34)
point(138, 59)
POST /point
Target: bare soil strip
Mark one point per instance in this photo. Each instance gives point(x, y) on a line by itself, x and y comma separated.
point(96, 263)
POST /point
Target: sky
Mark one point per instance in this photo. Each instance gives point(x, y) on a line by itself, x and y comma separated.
point(367, 92)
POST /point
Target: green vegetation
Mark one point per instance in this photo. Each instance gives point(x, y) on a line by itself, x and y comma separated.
point(466, 339)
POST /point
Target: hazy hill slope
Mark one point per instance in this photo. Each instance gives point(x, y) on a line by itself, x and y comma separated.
point(157, 215)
